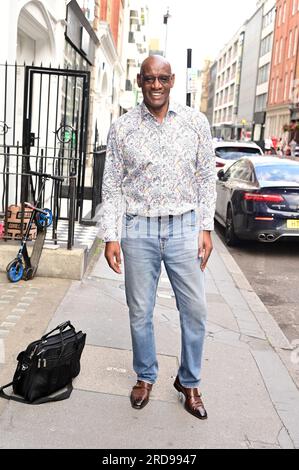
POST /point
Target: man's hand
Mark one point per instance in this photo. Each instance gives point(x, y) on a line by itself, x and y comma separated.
point(205, 247)
point(112, 255)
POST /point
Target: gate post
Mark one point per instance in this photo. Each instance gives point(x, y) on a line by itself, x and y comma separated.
point(98, 172)
point(72, 212)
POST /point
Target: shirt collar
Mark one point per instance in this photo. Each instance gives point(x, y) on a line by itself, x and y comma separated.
point(172, 108)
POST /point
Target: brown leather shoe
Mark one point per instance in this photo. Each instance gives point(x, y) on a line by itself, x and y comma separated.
point(193, 401)
point(140, 394)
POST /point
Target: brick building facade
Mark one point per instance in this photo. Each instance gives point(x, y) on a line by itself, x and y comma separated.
point(282, 106)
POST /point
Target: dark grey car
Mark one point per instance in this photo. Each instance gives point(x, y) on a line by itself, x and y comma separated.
point(258, 199)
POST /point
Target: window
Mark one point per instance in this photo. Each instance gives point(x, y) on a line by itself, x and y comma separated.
point(269, 18)
point(276, 90)
point(231, 92)
point(276, 53)
point(263, 74)
point(236, 152)
point(278, 172)
point(129, 86)
point(290, 44)
point(234, 67)
point(285, 86)
point(284, 12)
point(291, 86)
point(235, 48)
point(225, 95)
point(295, 40)
point(279, 16)
point(227, 74)
point(266, 45)
point(272, 90)
point(241, 171)
point(261, 103)
point(294, 7)
point(280, 50)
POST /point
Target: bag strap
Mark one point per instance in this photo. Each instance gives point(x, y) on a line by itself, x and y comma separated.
point(55, 396)
point(60, 327)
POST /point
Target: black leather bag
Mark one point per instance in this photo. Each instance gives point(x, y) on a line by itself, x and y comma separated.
point(46, 368)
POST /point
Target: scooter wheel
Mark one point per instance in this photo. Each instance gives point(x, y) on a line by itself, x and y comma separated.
point(15, 270)
point(44, 220)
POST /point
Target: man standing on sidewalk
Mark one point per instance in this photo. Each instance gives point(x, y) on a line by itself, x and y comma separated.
point(160, 173)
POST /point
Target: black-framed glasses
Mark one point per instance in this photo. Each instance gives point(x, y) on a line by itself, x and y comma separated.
point(150, 79)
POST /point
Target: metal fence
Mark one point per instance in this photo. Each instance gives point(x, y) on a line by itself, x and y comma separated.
point(43, 127)
point(13, 179)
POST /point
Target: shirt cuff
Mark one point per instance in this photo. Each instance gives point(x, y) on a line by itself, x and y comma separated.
point(206, 225)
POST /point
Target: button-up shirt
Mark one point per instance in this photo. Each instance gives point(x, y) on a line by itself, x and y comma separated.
point(156, 169)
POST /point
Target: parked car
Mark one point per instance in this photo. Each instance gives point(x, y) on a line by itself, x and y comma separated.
point(227, 152)
point(258, 199)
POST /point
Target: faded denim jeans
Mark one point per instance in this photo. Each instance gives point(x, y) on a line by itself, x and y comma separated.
point(146, 242)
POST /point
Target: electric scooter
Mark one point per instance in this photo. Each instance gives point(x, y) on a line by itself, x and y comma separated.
point(23, 266)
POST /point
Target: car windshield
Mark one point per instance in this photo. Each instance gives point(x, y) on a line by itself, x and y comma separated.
point(289, 173)
point(234, 153)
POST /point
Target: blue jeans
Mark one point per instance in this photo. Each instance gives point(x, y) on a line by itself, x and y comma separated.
point(146, 242)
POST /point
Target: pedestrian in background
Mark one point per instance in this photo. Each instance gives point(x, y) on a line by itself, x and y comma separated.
point(159, 181)
point(293, 145)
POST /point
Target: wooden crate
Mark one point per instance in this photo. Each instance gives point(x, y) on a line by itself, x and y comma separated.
point(14, 220)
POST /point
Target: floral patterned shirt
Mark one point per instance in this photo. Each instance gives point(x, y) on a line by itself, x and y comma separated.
point(156, 169)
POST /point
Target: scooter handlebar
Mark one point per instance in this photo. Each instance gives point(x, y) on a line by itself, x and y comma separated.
point(46, 175)
point(37, 209)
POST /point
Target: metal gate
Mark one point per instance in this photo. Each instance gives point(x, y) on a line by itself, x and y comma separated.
point(54, 122)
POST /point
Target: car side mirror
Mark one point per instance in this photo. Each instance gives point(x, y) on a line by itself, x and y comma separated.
point(220, 175)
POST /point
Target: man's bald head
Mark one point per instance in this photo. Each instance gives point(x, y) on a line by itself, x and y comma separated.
point(155, 61)
point(156, 80)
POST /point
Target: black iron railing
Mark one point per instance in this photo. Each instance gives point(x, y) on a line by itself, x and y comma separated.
point(43, 127)
point(13, 179)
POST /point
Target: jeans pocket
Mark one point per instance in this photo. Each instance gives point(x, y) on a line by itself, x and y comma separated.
point(129, 220)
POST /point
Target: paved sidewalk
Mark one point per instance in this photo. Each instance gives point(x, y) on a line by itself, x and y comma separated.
point(248, 387)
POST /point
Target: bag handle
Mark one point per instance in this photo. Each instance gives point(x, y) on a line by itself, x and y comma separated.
point(60, 327)
point(55, 396)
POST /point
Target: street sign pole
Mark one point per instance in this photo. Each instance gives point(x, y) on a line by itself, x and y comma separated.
point(189, 64)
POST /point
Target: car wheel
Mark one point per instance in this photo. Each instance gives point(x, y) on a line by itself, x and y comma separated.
point(231, 238)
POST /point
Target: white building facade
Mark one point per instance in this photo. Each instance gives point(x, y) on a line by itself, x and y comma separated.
point(135, 50)
point(32, 31)
point(107, 79)
point(264, 65)
point(227, 87)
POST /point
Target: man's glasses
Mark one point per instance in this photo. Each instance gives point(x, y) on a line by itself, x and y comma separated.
point(150, 79)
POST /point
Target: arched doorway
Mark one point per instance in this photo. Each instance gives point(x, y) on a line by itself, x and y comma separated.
point(35, 38)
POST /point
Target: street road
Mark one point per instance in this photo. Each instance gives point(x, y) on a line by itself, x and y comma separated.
point(273, 272)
